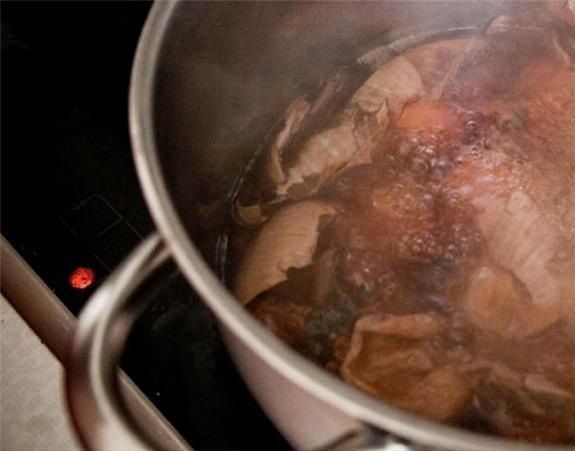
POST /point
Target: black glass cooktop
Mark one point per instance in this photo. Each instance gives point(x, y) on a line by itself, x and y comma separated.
point(72, 206)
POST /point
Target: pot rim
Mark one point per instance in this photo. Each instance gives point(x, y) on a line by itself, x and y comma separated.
point(228, 310)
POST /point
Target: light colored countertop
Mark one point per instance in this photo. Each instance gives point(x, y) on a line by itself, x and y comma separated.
point(33, 415)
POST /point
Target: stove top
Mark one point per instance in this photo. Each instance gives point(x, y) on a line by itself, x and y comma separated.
point(73, 209)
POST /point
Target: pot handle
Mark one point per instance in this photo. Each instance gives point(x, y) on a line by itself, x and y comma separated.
point(103, 326)
point(93, 395)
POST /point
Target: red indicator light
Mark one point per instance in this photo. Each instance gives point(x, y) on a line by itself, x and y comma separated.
point(82, 278)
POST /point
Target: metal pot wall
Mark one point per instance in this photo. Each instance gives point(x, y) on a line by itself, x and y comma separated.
point(209, 81)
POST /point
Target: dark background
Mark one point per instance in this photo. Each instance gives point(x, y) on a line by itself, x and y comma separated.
point(70, 197)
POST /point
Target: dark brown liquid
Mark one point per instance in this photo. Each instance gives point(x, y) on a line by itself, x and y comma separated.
point(441, 278)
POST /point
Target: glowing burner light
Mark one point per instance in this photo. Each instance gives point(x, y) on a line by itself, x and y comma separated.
point(82, 278)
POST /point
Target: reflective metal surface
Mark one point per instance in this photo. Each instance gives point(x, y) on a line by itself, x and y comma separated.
point(92, 373)
point(189, 69)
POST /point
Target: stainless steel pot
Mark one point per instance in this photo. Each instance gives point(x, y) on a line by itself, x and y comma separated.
point(209, 80)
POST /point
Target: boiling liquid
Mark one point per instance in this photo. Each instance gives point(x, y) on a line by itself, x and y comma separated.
point(440, 268)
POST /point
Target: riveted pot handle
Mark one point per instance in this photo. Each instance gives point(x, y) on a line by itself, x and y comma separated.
point(92, 390)
point(93, 396)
